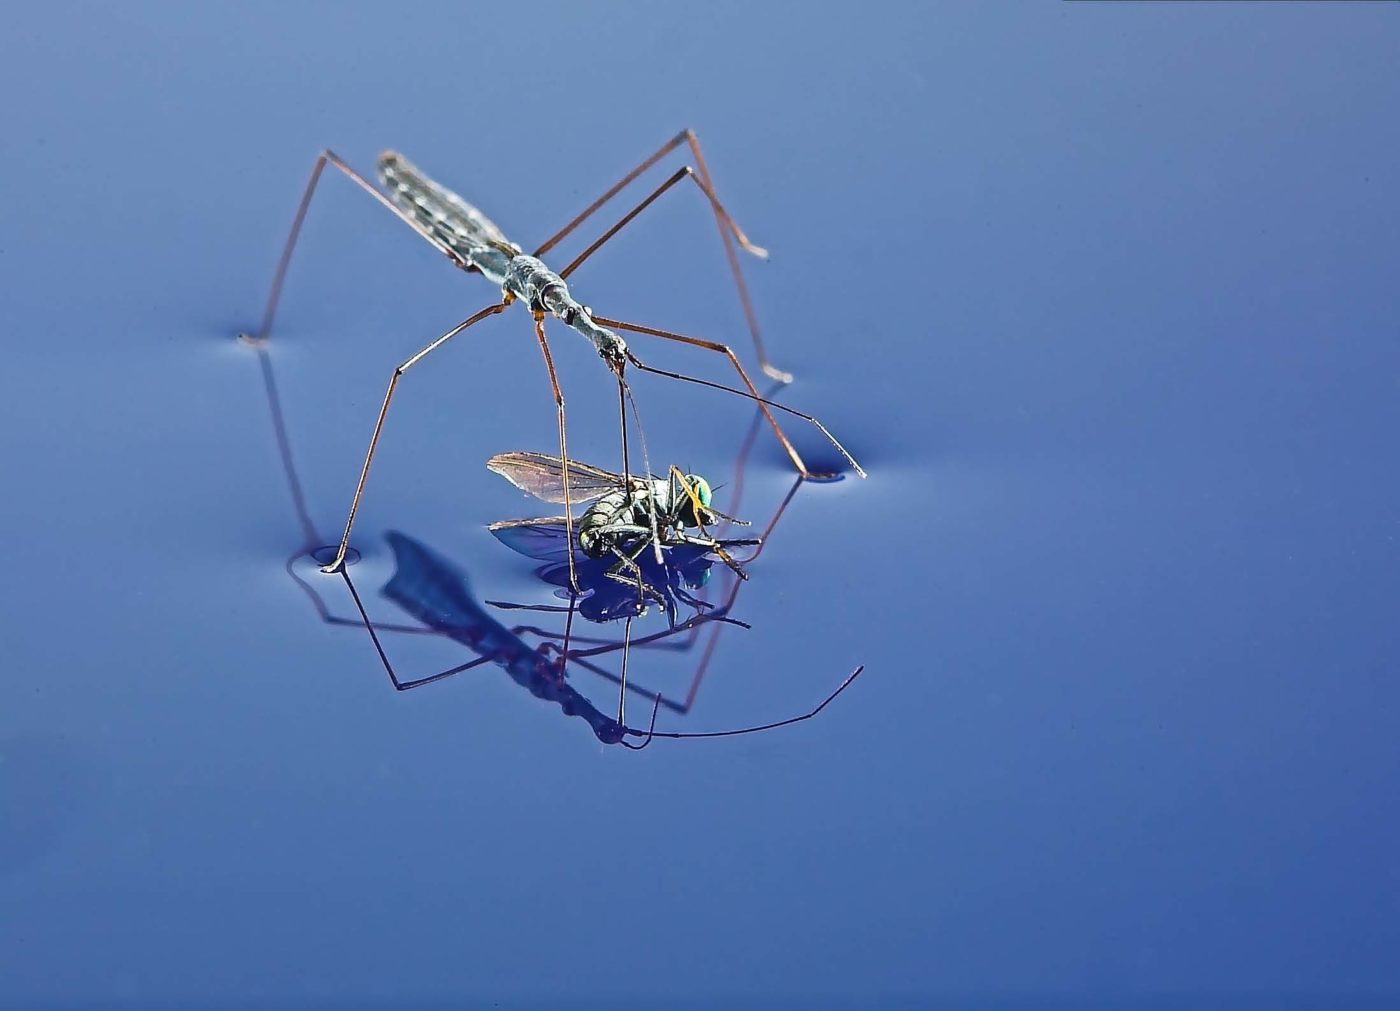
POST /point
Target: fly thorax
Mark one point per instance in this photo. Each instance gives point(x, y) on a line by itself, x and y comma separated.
point(645, 502)
point(661, 495)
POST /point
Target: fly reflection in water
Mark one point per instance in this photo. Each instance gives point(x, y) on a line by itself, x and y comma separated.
point(671, 580)
point(608, 596)
point(673, 583)
point(474, 244)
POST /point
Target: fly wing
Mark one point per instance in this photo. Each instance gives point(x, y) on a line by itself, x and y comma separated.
point(545, 539)
point(543, 476)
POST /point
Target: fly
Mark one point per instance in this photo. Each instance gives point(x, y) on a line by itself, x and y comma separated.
point(628, 514)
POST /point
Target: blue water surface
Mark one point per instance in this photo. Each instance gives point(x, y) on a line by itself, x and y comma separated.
point(1102, 295)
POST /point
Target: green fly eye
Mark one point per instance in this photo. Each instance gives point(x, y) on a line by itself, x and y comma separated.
point(701, 488)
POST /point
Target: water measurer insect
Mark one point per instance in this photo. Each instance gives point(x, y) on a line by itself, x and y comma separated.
point(476, 245)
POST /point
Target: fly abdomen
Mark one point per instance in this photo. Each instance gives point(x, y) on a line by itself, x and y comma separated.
point(592, 538)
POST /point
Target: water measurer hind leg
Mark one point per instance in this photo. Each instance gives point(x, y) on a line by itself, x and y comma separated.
point(279, 277)
point(563, 447)
point(729, 231)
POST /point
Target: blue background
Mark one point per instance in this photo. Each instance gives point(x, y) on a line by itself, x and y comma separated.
point(1104, 296)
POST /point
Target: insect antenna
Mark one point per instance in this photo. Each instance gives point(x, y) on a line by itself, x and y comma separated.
point(725, 516)
point(641, 365)
point(651, 730)
point(699, 509)
point(625, 389)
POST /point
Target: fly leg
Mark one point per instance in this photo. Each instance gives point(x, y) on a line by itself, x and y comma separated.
point(628, 564)
point(720, 548)
point(729, 231)
point(692, 601)
point(628, 561)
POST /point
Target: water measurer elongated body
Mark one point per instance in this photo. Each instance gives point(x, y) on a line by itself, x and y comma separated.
point(475, 244)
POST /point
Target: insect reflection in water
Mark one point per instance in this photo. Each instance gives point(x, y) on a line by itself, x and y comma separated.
point(681, 576)
point(432, 590)
point(434, 593)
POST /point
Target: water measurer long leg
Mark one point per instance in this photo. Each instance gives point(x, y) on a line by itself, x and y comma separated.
point(752, 394)
point(280, 276)
point(338, 562)
point(473, 243)
point(436, 595)
point(563, 443)
point(686, 172)
point(728, 231)
point(683, 173)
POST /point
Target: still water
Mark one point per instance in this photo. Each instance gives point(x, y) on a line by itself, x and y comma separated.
point(1103, 298)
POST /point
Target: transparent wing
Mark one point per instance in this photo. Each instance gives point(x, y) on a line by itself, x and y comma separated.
point(543, 476)
point(436, 208)
point(545, 539)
